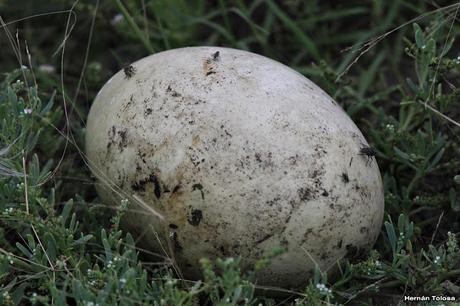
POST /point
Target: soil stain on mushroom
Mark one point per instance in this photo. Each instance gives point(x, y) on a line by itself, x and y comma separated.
point(148, 111)
point(140, 185)
point(200, 188)
point(172, 92)
point(208, 64)
point(117, 137)
point(305, 194)
point(177, 246)
point(216, 56)
point(339, 244)
point(345, 178)
point(123, 139)
point(195, 217)
point(264, 238)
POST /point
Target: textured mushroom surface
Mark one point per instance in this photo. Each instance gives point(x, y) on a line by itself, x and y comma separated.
point(241, 155)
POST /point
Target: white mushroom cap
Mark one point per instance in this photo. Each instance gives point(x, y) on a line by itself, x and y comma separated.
point(240, 154)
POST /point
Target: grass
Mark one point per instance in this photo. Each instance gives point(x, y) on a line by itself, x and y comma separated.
point(394, 66)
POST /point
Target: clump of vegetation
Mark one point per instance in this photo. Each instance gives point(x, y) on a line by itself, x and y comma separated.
point(399, 82)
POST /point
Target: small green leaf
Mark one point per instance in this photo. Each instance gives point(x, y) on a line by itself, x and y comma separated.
point(437, 158)
point(66, 211)
point(419, 39)
point(430, 50)
point(454, 202)
point(391, 235)
point(83, 239)
point(404, 156)
point(49, 105)
point(401, 223)
point(23, 249)
point(447, 47)
point(18, 293)
point(51, 246)
point(32, 140)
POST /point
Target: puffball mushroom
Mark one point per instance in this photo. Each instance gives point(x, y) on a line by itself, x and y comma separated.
point(239, 155)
